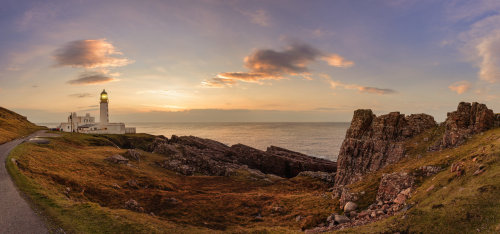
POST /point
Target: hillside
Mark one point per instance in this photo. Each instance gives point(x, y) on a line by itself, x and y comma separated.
point(421, 177)
point(13, 125)
point(81, 190)
point(451, 201)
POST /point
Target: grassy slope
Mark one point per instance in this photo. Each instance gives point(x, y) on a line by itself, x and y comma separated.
point(208, 203)
point(457, 204)
point(13, 125)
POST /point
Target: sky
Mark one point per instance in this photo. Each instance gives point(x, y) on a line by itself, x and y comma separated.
point(246, 61)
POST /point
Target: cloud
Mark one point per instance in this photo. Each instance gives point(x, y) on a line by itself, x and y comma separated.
point(268, 64)
point(321, 33)
point(460, 86)
point(365, 89)
point(336, 60)
point(89, 54)
point(80, 95)
point(489, 52)
point(91, 78)
point(260, 17)
point(480, 42)
point(218, 83)
point(247, 76)
point(361, 89)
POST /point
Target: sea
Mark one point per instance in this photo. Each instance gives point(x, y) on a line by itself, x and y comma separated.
point(321, 140)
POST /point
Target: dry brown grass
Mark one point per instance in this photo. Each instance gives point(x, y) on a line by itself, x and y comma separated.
point(13, 125)
point(206, 203)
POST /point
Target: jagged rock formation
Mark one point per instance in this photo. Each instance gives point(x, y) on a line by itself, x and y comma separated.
point(190, 155)
point(373, 142)
point(467, 120)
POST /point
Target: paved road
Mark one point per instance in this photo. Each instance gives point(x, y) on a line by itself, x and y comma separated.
point(16, 216)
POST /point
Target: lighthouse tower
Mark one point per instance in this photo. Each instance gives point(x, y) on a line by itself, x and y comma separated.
point(104, 108)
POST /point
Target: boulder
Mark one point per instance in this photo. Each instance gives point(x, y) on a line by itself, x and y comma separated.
point(372, 142)
point(394, 184)
point(344, 195)
point(133, 184)
point(458, 168)
point(133, 154)
point(132, 204)
point(341, 219)
point(429, 170)
point(118, 159)
point(350, 206)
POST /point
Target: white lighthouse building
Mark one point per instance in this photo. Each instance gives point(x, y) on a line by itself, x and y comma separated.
point(104, 108)
point(86, 124)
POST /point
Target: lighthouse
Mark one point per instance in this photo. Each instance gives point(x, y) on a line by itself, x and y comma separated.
point(87, 124)
point(104, 108)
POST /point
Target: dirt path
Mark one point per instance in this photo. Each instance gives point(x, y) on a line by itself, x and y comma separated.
point(16, 216)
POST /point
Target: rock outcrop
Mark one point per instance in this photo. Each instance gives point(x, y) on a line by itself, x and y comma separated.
point(393, 191)
point(133, 154)
point(191, 155)
point(373, 142)
point(118, 159)
point(467, 120)
point(395, 188)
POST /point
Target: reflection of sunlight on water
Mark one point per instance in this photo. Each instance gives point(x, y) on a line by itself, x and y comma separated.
point(315, 139)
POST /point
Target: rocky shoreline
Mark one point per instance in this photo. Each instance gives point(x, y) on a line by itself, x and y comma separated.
point(189, 155)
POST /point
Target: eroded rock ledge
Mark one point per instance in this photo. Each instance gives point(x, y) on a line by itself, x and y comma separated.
point(373, 142)
point(189, 155)
point(467, 120)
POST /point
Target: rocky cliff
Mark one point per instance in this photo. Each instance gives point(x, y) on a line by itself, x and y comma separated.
point(190, 155)
point(373, 142)
point(467, 120)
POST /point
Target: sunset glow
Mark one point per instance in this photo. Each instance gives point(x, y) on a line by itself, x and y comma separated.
point(293, 60)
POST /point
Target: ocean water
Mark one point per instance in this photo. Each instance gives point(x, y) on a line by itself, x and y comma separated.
point(315, 139)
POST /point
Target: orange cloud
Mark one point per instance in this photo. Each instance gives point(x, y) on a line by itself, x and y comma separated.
point(89, 54)
point(248, 76)
point(337, 61)
point(361, 89)
point(267, 64)
point(218, 83)
point(460, 86)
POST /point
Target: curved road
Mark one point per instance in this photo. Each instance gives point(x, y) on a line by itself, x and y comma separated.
point(16, 216)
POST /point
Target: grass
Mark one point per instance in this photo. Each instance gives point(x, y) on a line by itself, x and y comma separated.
point(13, 126)
point(205, 203)
point(457, 204)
